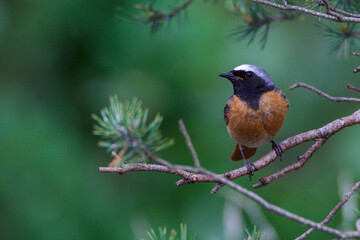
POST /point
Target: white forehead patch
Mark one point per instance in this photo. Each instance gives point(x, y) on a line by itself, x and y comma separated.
point(257, 70)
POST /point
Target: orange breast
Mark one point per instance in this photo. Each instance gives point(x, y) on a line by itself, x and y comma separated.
point(254, 128)
point(273, 106)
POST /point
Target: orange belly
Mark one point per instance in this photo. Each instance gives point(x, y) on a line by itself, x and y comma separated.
point(254, 128)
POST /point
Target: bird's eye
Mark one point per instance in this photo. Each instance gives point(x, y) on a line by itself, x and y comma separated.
point(248, 74)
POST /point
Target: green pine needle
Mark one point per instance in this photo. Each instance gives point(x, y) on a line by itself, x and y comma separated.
point(343, 37)
point(255, 235)
point(254, 19)
point(162, 234)
point(347, 5)
point(123, 126)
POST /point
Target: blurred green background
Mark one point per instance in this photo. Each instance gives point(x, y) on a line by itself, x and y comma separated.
point(60, 60)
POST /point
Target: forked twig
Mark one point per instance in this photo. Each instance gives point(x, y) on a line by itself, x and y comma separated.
point(302, 160)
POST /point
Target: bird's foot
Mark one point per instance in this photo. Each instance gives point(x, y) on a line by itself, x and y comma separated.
point(249, 166)
point(278, 149)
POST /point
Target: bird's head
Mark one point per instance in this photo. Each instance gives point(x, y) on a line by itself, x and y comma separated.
point(249, 79)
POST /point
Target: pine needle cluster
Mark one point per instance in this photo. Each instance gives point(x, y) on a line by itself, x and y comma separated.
point(124, 130)
point(255, 19)
point(162, 234)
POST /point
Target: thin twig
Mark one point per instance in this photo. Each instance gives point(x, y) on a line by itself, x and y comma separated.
point(302, 160)
point(334, 99)
point(138, 167)
point(333, 211)
point(344, 12)
point(353, 87)
point(356, 70)
point(189, 143)
point(168, 16)
point(355, 53)
point(308, 11)
point(153, 158)
point(266, 21)
point(328, 10)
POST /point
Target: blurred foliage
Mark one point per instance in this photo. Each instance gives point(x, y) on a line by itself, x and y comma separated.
point(343, 37)
point(255, 18)
point(255, 235)
point(162, 235)
point(60, 61)
point(157, 18)
point(123, 127)
point(346, 5)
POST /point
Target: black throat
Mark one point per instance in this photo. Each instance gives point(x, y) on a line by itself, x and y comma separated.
point(251, 94)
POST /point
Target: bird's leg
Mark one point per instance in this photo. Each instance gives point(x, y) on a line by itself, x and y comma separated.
point(247, 163)
point(278, 149)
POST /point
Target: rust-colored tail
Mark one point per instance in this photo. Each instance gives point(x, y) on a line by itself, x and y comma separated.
point(236, 155)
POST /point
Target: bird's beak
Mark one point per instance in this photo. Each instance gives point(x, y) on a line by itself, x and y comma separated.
point(228, 75)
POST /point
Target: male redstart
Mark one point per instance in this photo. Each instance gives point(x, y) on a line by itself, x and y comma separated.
point(255, 112)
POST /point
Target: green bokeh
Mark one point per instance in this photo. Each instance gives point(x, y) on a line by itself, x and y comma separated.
point(60, 61)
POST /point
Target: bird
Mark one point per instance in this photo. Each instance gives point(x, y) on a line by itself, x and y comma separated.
point(255, 113)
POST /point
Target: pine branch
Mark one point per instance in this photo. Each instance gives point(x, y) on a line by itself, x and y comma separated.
point(157, 18)
point(254, 19)
point(343, 37)
point(329, 15)
point(123, 128)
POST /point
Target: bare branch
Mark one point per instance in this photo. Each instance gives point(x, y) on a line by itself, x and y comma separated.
point(344, 12)
point(336, 18)
point(355, 54)
point(273, 208)
point(353, 87)
point(302, 160)
point(328, 10)
point(138, 167)
point(334, 210)
point(321, 133)
point(189, 143)
point(270, 207)
point(334, 99)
